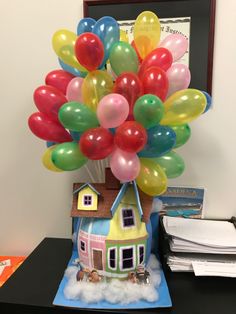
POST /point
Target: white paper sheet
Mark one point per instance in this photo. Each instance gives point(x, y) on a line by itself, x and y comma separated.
point(3, 264)
point(214, 269)
point(218, 234)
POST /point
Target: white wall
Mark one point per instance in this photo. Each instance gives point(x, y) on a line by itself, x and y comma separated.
point(36, 203)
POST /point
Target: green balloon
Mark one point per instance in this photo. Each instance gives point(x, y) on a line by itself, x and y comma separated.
point(183, 133)
point(148, 110)
point(123, 58)
point(77, 117)
point(68, 157)
point(172, 164)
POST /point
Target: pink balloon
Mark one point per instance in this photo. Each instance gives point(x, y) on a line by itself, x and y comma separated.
point(112, 110)
point(73, 91)
point(177, 44)
point(179, 77)
point(125, 166)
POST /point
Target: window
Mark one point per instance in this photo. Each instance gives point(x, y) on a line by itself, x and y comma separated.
point(112, 258)
point(141, 254)
point(127, 258)
point(128, 217)
point(82, 246)
point(87, 200)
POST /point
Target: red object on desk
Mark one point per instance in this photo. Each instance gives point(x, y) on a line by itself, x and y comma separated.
point(8, 264)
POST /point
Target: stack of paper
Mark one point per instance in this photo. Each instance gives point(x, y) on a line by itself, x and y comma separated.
point(206, 247)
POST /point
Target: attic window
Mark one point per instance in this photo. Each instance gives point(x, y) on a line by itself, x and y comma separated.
point(128, 217)
point(87, 200)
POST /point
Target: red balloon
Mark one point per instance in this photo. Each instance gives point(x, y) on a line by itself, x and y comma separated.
point(89, 51)
point(97, 143)
point(137, 52)
point(159, 57)
point(48, 130)
point(155, 82)
point(129, 85)
point(131, 137)
point(59, 79)
point(49, 99)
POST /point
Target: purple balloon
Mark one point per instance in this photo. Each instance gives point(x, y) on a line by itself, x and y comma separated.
point(177, 44)
point(73, 91)
point(112, 110)
point(125, 166)
point(179, 78)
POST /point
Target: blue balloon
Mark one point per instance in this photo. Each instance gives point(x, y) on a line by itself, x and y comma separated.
point(49, 144)
point(85, 25)
point(102, 67)
point(113, 131)
point(161, 139)
point(71, 70)
point(209, 101)
point(108, 30)
point(75, 135)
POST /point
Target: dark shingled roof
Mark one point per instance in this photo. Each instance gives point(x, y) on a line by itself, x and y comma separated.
point(108, 192)
point(105, 201)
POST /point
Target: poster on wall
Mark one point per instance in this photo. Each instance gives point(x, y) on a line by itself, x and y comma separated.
point(172, 25)
point(179, 201)
point(195, 20)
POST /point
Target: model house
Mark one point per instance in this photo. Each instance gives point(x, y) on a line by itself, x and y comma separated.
point(113, 231)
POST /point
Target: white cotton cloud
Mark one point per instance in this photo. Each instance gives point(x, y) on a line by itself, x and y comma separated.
point(74, 237)
point(153, 263)
point(115, 291)
point(157, 205)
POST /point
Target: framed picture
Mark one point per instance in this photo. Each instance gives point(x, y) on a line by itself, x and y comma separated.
point(194, 19)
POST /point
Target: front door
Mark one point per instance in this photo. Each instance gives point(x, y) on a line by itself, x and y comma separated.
point(97, 259)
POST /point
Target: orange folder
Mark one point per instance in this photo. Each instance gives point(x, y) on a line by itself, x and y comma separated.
point(8, 264)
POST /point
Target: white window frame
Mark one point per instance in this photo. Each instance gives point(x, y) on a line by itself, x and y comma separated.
point(122, 218)
point(108, 257)
point(144, 252)
point(91, 199)
point(121, 255)
point(84, 251)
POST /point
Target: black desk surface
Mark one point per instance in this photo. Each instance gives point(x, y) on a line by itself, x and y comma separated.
point(31, 289)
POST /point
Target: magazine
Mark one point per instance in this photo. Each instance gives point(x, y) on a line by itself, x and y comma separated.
point(181, 201)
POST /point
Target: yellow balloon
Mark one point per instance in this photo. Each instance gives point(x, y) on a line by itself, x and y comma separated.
point(147, 32)
point(152, 179)
point(123, 36)
point(96, 85)
point(47, 161)
point(183, 107)
point(63, 42)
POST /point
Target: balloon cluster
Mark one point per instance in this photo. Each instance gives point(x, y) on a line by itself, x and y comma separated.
point(126, 101)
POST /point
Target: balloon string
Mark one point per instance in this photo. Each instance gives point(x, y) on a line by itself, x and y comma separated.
point(107, 163)
point(89, 173)
point(97, 170)
point(102, 169)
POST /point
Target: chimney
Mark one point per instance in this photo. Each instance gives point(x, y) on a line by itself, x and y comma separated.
point(110, 180)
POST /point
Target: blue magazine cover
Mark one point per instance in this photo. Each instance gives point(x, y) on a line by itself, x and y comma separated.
point(181, 201)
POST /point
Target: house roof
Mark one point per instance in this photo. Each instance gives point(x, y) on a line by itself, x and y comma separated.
point(83, 186)
point(95, 226)
point(108, 201)
point(105, 201)
point(122, 193)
